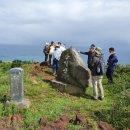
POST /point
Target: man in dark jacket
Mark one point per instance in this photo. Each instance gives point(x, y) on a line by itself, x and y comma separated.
point(90, 54)
point(46, 51)
point(112, 64)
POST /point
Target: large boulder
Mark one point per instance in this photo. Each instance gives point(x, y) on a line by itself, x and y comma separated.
point(72, 70)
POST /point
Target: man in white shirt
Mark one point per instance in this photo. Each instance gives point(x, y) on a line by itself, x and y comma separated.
point(61, 47)
point(56, 58)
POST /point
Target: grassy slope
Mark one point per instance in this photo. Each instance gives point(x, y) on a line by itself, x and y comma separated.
point(51, 104)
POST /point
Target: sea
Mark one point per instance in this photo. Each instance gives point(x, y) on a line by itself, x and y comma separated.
point(35, 53)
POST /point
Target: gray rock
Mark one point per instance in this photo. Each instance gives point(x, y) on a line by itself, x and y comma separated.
point(72, 70)
point(67, 88)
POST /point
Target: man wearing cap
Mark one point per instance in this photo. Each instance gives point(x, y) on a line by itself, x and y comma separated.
point(97, 74)
point(90, 54)
point(46, 51)
point(61, 47)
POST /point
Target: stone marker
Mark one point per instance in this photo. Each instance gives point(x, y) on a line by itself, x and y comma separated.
point(16, 84)
point(17, 87)
point(73, 72)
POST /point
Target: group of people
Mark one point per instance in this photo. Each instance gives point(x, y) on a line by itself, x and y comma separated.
point(53, 52)
point(96, 65)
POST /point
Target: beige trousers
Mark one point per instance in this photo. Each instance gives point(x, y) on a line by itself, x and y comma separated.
point(97, 86)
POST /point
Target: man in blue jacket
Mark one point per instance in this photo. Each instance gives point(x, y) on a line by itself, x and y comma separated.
point(112, 64)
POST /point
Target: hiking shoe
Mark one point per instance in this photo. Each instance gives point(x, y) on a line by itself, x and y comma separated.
point(94, 98)
point(54, 74)
point(100, 98)
point(111, 82)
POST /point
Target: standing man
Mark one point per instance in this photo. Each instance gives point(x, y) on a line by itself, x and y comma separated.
point(112, 64)
point(56, 58)
point(51, 50)
point(90, 54)
point(97, 74)
point(46, 51)
point(61, 47)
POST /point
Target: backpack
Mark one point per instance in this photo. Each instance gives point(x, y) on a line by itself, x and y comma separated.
point(46, 49)
point(100, 67)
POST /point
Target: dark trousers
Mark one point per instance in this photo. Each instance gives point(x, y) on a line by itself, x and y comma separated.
point(55, 65)
point(50, 57)
point(46, 56)
point(110, 74)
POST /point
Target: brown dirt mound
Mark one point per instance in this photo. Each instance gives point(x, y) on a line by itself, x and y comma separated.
point(44, 63)
point(63, 121)
point(60, 124)
point(14, 121)
point(42, 69)
point(105, 126)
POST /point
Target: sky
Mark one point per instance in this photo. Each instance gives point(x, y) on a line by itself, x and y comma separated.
point(73, 22)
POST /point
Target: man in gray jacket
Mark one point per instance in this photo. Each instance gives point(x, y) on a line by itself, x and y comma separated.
point(97, 74)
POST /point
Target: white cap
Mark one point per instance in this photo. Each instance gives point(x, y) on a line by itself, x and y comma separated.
point(47, 43)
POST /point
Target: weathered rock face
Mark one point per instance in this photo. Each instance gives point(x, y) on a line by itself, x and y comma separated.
point(72, 69)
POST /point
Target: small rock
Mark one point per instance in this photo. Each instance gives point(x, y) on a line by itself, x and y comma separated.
point(80, 119)
point(42, 121)
point(105, 126)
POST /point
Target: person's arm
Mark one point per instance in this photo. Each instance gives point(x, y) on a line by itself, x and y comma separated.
point(85, 53)
point(115, 59)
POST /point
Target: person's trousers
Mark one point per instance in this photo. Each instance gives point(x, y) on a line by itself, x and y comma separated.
point(97, 86)
point(46, 56)
point(110, 74)
point(55, 65)
point(50, 57)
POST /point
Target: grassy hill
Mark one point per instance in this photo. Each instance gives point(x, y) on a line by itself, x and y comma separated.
point(49, 104)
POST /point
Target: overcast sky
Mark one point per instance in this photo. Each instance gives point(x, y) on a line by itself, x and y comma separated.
point(77, 22)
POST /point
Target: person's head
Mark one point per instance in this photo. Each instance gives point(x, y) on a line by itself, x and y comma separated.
point(111, 50)
point(92, 48)
point(98, 50)
point(52, 43)
point(59, 43)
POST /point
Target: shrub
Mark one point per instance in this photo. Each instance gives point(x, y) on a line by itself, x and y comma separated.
point(16, 63)
point(118, 115)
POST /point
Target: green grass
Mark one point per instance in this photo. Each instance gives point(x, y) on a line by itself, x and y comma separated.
point(50, 103)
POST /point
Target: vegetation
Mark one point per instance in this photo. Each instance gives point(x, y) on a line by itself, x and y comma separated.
point(18, 63)
point(50, 103)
